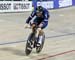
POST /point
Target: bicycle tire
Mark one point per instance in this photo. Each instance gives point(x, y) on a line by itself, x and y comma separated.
point(39, 49)
point(27, 51)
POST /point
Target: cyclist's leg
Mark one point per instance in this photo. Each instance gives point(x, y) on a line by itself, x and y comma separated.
point(40, 29)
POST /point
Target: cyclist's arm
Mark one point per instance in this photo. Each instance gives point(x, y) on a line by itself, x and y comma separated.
point(30, 17)
point(46, 16)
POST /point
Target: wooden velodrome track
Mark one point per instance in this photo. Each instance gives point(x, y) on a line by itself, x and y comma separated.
point(60, 36)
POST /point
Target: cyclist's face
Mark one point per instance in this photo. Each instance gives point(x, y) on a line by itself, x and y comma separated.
point(39, 14)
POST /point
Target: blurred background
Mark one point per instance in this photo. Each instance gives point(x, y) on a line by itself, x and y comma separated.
point(60, 33)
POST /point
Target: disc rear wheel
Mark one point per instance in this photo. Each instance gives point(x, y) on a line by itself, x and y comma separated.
point(39, 48)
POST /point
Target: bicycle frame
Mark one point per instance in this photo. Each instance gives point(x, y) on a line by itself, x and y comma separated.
point(33, 39)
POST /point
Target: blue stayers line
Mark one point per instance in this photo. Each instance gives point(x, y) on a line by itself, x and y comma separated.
point(46, 38)
point(61, 35)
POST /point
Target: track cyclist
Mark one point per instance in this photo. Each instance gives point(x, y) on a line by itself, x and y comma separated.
point(41, 19)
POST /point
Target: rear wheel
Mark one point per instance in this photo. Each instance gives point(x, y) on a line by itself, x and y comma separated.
point(39, 48)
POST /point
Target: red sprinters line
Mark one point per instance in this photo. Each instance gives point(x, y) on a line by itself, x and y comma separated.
point(57, 54)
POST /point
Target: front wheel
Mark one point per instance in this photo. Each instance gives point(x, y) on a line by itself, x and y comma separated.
point(39, 48)
point(28, 48)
